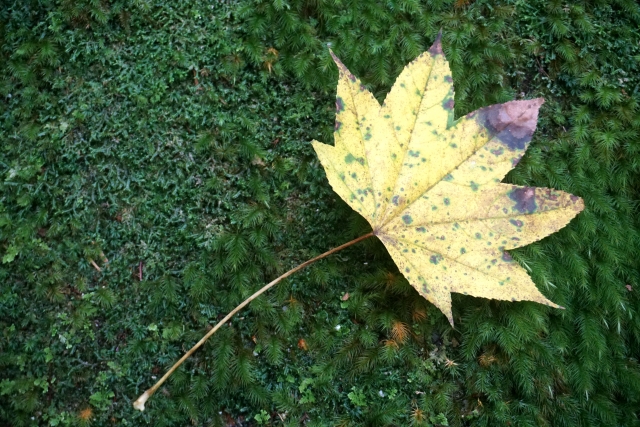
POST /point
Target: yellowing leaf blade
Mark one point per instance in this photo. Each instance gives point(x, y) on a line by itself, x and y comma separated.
point(418, 108)
point(350, 177)
point(432, 193)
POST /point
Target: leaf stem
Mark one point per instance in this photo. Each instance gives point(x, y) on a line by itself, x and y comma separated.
point(139, 403)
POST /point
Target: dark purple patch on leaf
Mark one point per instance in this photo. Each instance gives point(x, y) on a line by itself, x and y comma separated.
point(339, 104)
point(448, 104)
point(513, 123)
point(517, 223)
point(435, 259)
point(506, 257)
point(421, 230)
point(407, 219)
point(394, 200)
point(337, 126)
point(448, 79)
point(436, 47)
point(525, 199)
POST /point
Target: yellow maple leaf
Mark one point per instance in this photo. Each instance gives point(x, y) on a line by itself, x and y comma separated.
point(430, 185)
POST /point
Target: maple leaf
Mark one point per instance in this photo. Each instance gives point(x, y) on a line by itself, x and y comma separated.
point(430, 185)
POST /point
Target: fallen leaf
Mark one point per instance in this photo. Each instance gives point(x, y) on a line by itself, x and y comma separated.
point(345, 296)
point(302, 344)
point(429, 185)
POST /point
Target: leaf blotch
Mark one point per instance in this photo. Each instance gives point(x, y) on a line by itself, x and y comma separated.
point(525, 199)
point(407, 219)
point(498, 151)
point(513, 123)
point(506, 257)
point(436, 47)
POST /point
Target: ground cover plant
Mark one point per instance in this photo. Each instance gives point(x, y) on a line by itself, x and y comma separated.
point(156, 170)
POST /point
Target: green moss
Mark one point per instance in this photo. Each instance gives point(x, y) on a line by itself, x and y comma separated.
point(175, 141)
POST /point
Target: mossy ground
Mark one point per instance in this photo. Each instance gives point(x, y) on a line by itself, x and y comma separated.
point(174, 142)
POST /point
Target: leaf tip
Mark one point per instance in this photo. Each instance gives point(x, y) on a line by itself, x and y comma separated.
point(513, 122)
point(578, 203)
point(436, 47)
point(450, 319)
point(343, 70)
